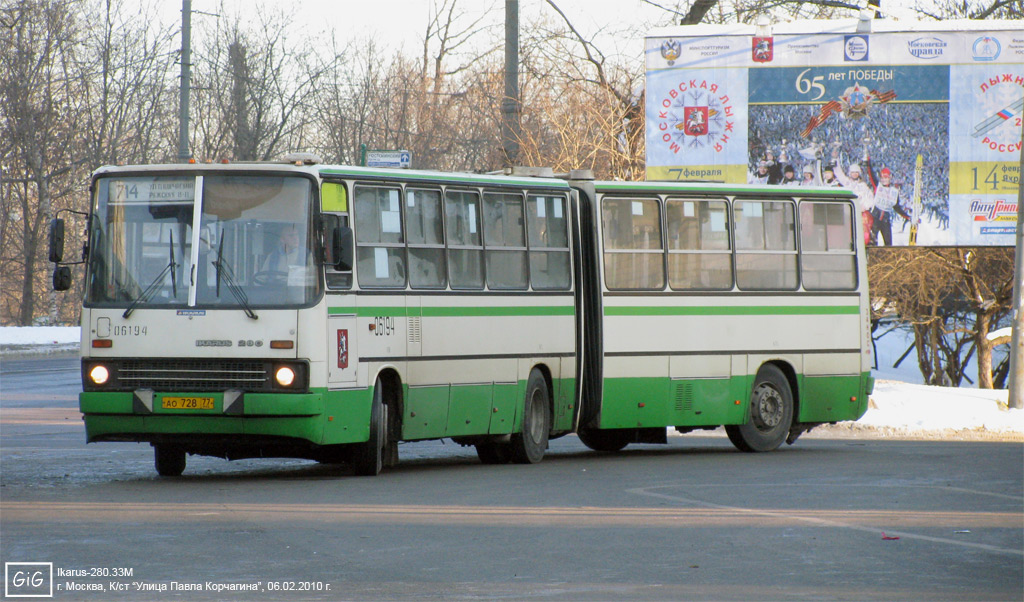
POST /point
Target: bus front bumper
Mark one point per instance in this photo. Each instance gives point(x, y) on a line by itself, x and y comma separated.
point(151, 416)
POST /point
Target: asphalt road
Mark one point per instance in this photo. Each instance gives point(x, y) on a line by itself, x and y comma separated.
point(824, 519)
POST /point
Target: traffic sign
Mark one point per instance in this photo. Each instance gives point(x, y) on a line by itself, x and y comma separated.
point(389, 158)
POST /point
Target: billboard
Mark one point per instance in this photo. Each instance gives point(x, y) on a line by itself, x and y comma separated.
point(821, 103)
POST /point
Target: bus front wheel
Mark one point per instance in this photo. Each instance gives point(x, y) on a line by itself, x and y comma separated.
point(771, 413)
point(169, 460)
point(368, 458)
point(530, 443)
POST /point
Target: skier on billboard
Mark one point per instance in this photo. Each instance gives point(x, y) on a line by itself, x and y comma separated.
point(887, 205)
point(856, 183)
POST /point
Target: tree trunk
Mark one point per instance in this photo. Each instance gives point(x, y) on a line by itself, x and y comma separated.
point(922, 344)
point(934, 332)
point(984, 346)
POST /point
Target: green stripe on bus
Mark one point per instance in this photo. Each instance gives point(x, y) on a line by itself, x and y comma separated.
point(745, 310)
point(454, 312)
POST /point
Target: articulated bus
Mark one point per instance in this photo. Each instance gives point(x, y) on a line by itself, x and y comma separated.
point(303, 310)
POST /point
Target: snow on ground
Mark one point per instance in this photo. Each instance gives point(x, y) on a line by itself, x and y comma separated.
point(38, 338)
point(896, 408)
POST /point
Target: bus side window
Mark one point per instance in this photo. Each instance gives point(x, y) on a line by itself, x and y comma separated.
point(633, 252)
point(426, 239)
point(699, 254)
point(380, 244)
point(465, 248)
point(828, 258)
point(765, 245)
point(547, 227)
point(505, 241)
point(334, 209)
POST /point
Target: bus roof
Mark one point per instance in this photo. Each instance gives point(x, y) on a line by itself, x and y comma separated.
point(411, 175)
point(342, 171)
point(713, 188)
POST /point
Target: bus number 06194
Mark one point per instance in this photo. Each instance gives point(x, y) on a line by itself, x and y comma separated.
point(383, 326)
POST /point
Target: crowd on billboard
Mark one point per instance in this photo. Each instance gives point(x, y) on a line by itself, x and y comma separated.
point(874, 156)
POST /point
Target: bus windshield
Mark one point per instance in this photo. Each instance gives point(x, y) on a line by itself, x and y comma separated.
point(243, 242)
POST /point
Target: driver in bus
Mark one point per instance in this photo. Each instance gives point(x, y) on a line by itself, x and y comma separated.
point(287, 256)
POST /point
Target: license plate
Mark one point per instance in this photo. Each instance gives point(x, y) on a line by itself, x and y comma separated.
point(187, 403)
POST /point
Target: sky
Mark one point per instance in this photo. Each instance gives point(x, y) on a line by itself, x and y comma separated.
point(400, 23)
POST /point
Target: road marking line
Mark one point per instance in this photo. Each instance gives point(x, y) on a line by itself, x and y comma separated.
point(819, 518)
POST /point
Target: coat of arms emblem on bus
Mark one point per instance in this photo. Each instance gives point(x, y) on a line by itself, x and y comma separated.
point(343, 348)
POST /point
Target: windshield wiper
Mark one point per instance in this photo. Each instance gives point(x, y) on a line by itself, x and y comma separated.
point(146, 294)
point(223, 267)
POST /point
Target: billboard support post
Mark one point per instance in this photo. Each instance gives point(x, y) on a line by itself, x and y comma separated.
point(1016, 398)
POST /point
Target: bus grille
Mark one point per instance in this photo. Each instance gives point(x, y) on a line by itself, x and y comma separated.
point(194, 375)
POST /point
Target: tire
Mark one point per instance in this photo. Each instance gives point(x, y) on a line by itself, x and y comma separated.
point(368, 457)
point(530, 443)
point(494, 453)
point(771, 413)
point(169, 460)
point(611, 440)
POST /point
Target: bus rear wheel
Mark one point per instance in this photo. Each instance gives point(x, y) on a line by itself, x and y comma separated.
point(368, 458)
point(611, 440)
point(530, 443)
point(169, 460)
point(771, 413)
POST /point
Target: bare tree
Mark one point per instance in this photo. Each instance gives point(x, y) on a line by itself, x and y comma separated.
point(39, 88)
point(952, 298)
point(253, 89)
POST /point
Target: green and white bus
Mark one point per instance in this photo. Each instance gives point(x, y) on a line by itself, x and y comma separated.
point(329, 312)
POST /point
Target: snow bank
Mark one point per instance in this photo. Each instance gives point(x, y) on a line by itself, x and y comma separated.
point(40, 335)
point(914, 408)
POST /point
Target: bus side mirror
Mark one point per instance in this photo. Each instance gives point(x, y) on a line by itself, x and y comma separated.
point(338, 247)
point(345, 253)
point(57, 243)
point(61, 278)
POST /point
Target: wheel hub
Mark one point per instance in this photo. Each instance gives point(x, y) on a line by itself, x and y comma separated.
point(767, 407)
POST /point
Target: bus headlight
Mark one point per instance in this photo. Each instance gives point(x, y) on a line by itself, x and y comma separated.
point(99, 374)
point(285, 376)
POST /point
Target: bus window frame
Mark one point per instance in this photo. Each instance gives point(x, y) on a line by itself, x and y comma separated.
point(795, 252)
point(849, 205)
point(568, 249)
point(449, 247)
point(400, 245)
point(659, 200)
point(525, 249)
point(440, 190)
point(346, 218)
point(729, 251)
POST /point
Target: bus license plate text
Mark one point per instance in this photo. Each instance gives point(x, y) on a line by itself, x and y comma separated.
point(188, 403)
